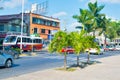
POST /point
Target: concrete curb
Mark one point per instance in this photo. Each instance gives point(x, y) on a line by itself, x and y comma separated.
point(28, 54)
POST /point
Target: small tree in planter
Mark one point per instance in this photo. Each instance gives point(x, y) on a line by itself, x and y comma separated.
point(90, 43)
point(77, 42)
point(59, 42)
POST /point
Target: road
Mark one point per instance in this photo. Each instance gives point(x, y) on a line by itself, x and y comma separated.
point(44, 61)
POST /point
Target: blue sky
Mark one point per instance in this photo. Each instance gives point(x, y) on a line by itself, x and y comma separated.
point(63, 9)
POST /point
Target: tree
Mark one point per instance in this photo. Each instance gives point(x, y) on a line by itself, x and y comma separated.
point(90, 43)
point(77, 43)
point(59, 41)
point(94, 10)
point(104, 25)
point(84, 18)
point(115, 28)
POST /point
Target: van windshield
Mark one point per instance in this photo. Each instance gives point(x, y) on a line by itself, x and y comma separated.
point(10, 39)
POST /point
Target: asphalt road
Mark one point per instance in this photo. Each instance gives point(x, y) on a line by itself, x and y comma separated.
point(44, 61)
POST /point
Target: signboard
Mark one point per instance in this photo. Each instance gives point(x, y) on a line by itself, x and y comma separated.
point(39, 8)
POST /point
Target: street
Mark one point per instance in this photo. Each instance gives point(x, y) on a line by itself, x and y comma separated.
point(44, 61)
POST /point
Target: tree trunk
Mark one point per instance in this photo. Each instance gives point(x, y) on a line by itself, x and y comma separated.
point(65, 61)
point(105, 43)
point(77, 60)
point(88, 57)
point(94, 33)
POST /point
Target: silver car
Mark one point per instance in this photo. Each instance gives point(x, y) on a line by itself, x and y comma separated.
point(6, 60)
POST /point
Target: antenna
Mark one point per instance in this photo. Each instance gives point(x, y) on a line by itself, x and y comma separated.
point(40, 8)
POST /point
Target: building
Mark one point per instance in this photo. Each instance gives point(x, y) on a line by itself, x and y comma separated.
point(32, 24)
point(116, 41)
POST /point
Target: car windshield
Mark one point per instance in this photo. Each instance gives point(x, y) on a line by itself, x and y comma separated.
point(9, 39)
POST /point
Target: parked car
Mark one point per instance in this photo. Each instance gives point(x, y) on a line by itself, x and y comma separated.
point(112, 48)
point(12, 51)
point(6, 59)
point(96, 51)
point(68, 50)
point(117, 47)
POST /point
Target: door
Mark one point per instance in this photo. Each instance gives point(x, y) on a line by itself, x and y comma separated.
point(2, 59)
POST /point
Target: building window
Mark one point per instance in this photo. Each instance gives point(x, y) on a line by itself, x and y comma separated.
point(48, 23)
point(49, 31)
point(1, 27)
point(44, 22)
point(42, 30)
point(34, 20)
point(35, 30)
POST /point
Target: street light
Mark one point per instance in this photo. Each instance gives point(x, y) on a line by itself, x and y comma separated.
point(22, 25)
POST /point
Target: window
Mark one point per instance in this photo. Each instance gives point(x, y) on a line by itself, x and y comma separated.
point(54, 24)
point(35, 30)
point(37, 41)
point(10, 39)
point(42, 30)
point(19, 39)
point(44, 22)
point(1, 27)
point(49, 31)
point(23, 39)
point(34, 20)
point(48, 23)
point(28, 40)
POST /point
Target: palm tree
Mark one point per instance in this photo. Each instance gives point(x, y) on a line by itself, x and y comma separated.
point(85, 19)
point(59, 41)
point(77, 43)
point(116, 27)
point(94, 10)
point(105, 26)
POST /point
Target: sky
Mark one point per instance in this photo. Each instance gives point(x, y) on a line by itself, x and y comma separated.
point(62, 9)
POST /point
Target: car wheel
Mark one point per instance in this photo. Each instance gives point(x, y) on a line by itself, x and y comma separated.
point(16, 56)
point(8, 63)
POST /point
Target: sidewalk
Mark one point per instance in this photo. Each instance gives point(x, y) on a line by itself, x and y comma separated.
point(108, 69)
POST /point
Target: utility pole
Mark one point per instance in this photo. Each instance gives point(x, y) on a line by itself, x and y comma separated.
point(22, 24)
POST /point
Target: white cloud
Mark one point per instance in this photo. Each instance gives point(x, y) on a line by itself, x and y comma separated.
point(112, 18)
point(59, 14)
point(72, 26)
point(12, 3)
point(92, 1)
point(107, 1)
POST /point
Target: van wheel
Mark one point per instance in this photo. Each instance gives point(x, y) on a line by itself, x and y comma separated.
point(8, 63)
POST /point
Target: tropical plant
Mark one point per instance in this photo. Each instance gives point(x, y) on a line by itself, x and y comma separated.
point(59, 41)
point(94, 10)
point(77, 43)
point(115, 28)
point(85, 19)
point(90, 43)
point(104, 25)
